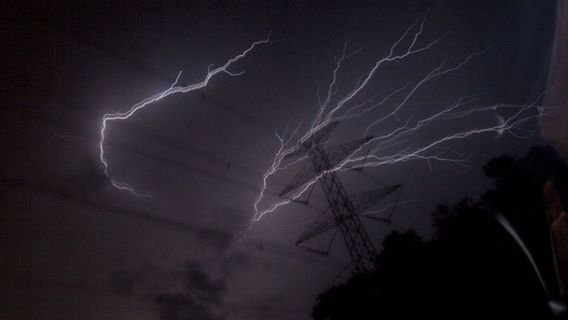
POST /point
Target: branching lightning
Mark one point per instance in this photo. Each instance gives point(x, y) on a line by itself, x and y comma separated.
point(404, 142)
point(173, 89)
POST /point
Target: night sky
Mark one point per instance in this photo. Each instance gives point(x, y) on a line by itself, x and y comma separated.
point(74, 247)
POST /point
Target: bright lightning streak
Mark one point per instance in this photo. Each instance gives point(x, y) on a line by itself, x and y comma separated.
point(404, 136)
point(173, 89)
point(511, 231)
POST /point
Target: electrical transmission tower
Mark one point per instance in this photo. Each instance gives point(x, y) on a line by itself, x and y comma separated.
point(344, 211)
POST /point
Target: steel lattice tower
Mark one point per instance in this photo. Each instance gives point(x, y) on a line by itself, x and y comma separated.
point(361, 249)
point(344, 210)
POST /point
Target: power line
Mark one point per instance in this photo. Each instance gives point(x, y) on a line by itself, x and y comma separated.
point(343, 212)
point(184, 226)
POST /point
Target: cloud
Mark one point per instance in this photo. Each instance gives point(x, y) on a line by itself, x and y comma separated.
point(191, 293)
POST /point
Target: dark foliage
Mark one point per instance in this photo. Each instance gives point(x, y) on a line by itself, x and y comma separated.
point(472, 269)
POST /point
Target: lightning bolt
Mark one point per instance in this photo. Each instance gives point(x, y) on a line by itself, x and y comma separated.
point(173, 89)
point(403, 143)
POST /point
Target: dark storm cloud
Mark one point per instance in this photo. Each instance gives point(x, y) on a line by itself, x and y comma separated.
point(234, 261)
point(211, 238)
point(201, 298)
point(180, 306)
point(191, 293)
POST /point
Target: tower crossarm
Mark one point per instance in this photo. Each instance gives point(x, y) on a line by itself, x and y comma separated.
point(356, 238)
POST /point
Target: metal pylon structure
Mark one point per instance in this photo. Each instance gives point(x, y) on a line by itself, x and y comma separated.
point(343, 212)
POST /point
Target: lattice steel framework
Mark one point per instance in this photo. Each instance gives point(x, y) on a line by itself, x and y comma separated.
point(359, 245)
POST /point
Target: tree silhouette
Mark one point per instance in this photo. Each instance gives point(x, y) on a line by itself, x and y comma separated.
point(471, 269)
